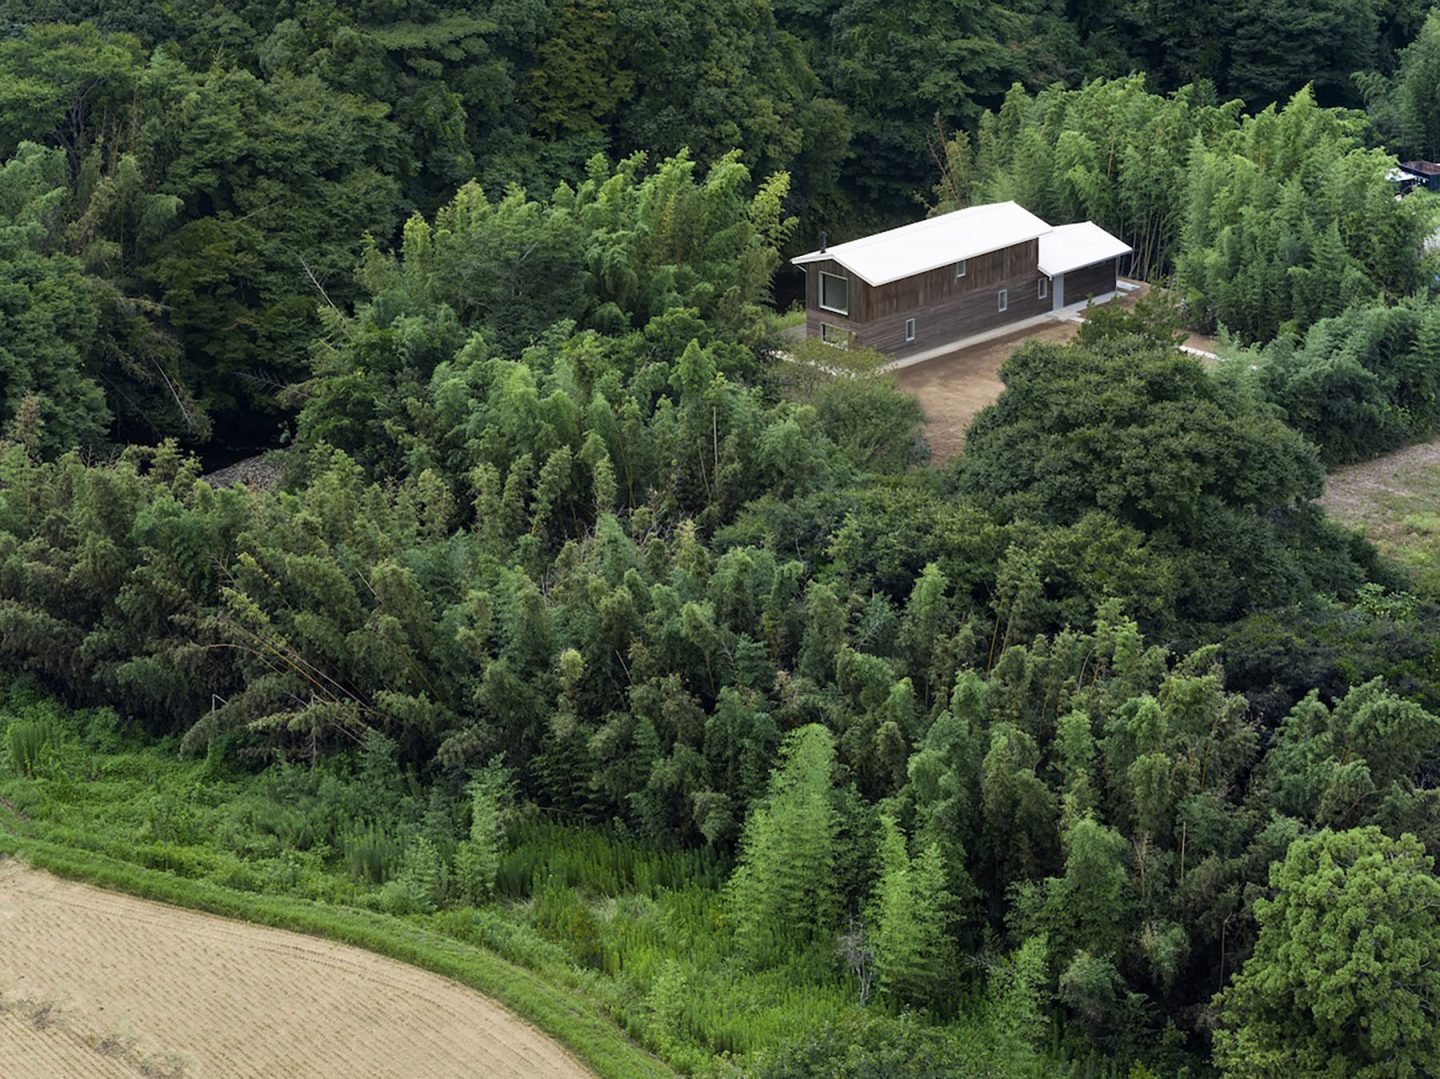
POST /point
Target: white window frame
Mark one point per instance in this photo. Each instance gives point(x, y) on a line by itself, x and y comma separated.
point(1044, 292)
point(1002, 300)
point(960, 269)
point(909, 330)
point(825, 306)
point(841, 338)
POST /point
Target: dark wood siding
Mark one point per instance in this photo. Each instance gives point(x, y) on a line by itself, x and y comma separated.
point(945, 308)
point(859, 291)
point(963, 316)
point(1097, 280)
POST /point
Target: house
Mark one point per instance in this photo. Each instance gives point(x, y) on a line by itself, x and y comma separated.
point(1421, 173)
point(920, 289)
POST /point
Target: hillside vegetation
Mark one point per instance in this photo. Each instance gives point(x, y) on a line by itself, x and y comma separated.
point(589, 650)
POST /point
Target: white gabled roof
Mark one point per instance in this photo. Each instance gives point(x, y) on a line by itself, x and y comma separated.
point(935, 242)
point(1069, 247)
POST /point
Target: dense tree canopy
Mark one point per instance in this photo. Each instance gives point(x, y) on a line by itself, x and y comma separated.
point(589, 618)
point(1343, 980)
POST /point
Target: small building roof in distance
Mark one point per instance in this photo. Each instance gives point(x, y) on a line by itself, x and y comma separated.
point(932, 243)
point(1421, 168)
point(1069, 247)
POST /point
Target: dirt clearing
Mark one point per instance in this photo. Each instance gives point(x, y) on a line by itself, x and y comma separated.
point(1394, 500)
point(93, 983)
point(954, 387)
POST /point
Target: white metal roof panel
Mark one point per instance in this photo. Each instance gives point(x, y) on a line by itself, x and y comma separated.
point(1069, 247)
point(935, 242)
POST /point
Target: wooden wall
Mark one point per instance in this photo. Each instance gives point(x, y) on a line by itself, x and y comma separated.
point(1097, 280)
point(945, 308)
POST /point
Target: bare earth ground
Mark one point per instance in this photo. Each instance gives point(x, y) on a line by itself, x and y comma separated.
point(1390, 498)
point(952, 388)
point(93, 983)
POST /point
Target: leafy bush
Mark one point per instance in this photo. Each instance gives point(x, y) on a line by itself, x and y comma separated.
point(371, 853)
point(31, 743)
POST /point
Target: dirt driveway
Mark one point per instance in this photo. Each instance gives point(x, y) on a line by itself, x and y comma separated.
point(93, 983)
point(952, 388)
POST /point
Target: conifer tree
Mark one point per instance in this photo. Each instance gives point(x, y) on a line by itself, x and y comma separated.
point(781, 896)
point(909, 914)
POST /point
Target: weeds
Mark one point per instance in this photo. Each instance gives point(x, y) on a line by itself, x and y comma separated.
point(31, 742)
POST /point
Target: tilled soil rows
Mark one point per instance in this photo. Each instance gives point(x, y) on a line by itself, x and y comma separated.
point(94, 983)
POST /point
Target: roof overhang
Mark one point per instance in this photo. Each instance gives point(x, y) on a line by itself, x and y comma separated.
point(930, 244)
point(1073, 247)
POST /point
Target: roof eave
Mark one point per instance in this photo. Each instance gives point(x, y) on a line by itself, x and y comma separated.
point(824, 256)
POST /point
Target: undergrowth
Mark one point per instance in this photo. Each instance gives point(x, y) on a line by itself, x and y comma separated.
point(593, 934)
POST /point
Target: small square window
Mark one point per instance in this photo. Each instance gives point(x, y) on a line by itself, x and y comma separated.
point(959, 269)
point(909, 329)
point(834, 335)
point(1044, 288)
point(1002, 300)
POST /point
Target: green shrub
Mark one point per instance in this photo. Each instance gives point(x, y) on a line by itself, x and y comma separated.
point(420, 885)
point(371, 853)
point(32, 743)
point(560, 914)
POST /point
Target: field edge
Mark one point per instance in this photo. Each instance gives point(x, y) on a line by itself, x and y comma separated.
point(571, 1020)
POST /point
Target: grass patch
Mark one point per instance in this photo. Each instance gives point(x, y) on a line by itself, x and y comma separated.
point(788, 319)
point(1395, 502)
point(616, 946)
point(1425, 524)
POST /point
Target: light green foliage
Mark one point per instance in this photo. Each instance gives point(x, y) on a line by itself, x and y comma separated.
point(1406, 105)
point(1342, 981)
point(1111, 152)
point(419, 883)
point(910, 916)
point(1357, 385)
point(781, 896)
point(1270, 221)
point(29, 743)
point(478, 858)
point(371, 853)
point(1289, 220)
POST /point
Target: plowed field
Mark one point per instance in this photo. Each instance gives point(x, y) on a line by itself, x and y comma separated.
point(94, 983)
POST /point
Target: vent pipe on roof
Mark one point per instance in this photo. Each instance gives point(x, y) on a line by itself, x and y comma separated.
point(824, 238)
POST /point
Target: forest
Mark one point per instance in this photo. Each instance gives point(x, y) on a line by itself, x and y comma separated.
point(589, 627)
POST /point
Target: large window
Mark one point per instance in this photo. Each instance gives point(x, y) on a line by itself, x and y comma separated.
point(959, 269)
point(834, 293)
point(909, 330)
point(1043, 288)
point(1002, 300)
point(834, 335)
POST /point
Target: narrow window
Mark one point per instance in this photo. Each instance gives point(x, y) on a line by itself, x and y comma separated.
point(1003, 300)
point(1044, 288)
point(959, 269)
point(834, 335)
point(834, 293)
point(909, 329)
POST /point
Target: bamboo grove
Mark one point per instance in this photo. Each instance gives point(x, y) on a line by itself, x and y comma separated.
point(591, 624)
